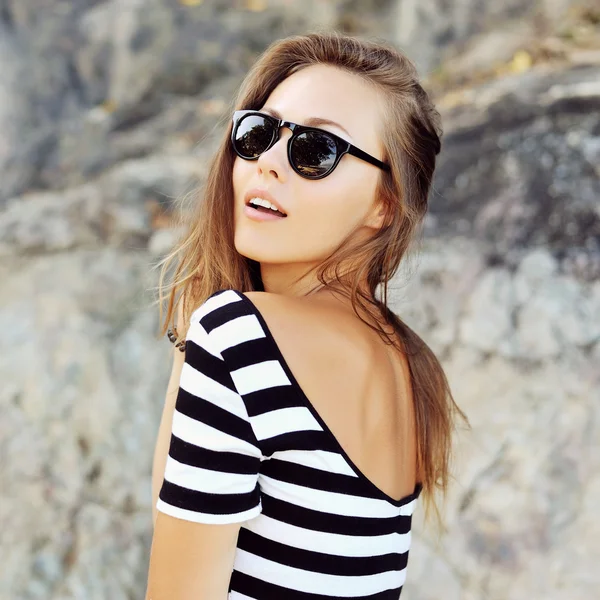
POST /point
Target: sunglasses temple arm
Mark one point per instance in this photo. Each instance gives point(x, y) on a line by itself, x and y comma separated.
point(367, 157)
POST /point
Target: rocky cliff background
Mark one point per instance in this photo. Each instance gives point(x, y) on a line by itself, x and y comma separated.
point(108, 112)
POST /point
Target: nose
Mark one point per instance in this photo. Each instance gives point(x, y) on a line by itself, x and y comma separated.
point(274, 160)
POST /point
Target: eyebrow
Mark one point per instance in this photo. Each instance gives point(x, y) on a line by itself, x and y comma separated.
point(310, 122)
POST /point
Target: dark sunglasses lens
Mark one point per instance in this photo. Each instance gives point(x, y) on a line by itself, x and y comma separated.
point(313, 153)
point(253, 135)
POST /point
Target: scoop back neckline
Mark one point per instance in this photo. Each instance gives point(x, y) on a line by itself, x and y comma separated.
point(306, 400)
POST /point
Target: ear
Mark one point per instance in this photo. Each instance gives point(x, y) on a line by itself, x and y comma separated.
point(376, 219)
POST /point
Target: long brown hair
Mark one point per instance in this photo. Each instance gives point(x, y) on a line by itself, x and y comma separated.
point(206, 260)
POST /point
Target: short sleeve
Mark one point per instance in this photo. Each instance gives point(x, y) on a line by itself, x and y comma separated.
point(211, 475)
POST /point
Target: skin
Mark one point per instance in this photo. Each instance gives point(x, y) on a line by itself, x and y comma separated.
point(332, 354)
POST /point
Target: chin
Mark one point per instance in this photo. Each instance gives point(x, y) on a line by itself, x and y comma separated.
point(256, 249)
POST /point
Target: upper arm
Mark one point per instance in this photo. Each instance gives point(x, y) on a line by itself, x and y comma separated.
point(164, 430)
point(210, 483)
point(190, 561)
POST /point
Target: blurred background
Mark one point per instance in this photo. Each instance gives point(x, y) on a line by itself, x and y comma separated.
point(109, 111)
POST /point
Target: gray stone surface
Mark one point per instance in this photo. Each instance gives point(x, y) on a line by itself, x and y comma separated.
point(435, 29)
point(521, 522)
point(109, 112)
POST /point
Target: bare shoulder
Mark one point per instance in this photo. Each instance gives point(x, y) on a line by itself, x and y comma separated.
point(276, 308)
point(273, 303)
point(309, 331)
point(282, 314)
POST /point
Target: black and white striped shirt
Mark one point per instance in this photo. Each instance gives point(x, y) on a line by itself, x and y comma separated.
point(248, 446)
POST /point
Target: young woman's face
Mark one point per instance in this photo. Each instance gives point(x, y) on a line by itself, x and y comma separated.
point(322, 212)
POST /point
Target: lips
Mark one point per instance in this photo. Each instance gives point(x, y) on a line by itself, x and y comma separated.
point(262, 215)
point(265, 195)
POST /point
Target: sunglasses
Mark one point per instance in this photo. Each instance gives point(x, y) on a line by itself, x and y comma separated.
point(313, 153)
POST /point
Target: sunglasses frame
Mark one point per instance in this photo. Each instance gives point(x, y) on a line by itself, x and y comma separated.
point(342, 146)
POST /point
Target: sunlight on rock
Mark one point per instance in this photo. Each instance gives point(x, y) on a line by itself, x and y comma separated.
point(521, 62)
point(109, 106)
point(256, 5)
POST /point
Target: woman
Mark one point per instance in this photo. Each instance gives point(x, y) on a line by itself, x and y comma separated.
point(307, 418)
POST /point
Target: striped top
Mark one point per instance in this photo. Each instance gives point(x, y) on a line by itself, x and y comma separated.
point(247, 446)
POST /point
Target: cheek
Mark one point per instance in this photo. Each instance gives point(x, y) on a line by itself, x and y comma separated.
point(326, 215)
point(339, 202)
point(237, 175)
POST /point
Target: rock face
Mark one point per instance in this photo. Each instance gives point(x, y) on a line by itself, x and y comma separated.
point(523, 170)
point(108, 112)
point(434, 29)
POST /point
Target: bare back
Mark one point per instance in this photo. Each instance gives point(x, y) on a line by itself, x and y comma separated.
point(359, 385)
